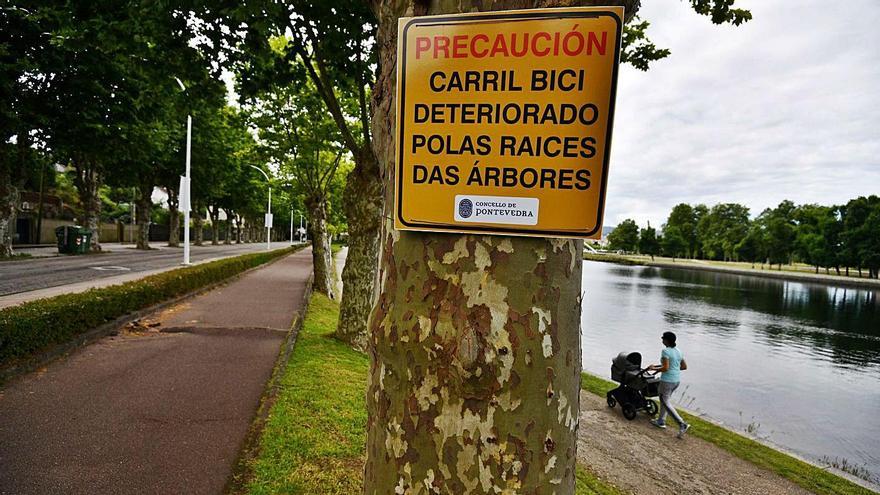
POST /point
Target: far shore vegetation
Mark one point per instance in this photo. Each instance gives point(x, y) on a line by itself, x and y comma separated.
point(793, 271)
point(839, 239)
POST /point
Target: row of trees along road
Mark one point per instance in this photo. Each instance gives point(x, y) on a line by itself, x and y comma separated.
point(301, 139)
point(330, 45)
point(466, 330)
point(91, 86)
point(837, 237)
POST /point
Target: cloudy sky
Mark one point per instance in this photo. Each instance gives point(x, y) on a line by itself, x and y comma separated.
point(786, 106)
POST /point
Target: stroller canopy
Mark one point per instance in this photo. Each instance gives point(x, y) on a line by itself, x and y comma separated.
point(628, 361)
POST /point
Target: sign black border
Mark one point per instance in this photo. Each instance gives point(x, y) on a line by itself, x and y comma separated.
point(562, 14)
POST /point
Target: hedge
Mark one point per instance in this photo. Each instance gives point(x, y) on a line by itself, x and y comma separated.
point(37, 325)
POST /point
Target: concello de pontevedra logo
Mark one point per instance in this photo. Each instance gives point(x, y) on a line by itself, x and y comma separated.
point(465, 208)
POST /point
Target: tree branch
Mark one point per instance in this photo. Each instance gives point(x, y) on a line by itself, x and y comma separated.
point(324, 89)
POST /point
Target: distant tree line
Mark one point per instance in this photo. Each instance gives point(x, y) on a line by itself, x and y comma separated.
point(831, 237)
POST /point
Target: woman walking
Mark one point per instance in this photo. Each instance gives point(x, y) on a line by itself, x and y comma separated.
point(671, 365)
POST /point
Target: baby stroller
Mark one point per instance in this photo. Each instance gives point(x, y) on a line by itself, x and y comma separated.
point(636, 388)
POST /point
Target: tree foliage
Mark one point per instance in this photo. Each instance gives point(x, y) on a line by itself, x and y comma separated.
point(649, 243)
point(638, 49)
point(624, 237)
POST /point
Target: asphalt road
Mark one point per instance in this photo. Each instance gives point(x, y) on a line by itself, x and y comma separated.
point(40, 273)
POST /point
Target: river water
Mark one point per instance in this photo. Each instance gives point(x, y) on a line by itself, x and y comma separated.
point(796, 364)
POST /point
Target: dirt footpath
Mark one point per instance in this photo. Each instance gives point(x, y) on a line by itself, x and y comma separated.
point(642, 459)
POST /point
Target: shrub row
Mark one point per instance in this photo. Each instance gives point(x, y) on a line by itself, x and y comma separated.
point(36, 325)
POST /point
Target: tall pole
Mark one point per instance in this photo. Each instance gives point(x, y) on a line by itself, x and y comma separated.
point(291, 226)
point(269, 223)
point(186, 207)
point(300, 227)
point(269, 213)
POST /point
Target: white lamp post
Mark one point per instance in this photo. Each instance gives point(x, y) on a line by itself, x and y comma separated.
point(291, 225)
point(269, 214)
point(184, 194)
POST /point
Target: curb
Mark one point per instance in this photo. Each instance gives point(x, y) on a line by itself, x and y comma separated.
point(91, 336)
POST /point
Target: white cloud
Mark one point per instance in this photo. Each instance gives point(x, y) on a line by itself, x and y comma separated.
point(786, 106)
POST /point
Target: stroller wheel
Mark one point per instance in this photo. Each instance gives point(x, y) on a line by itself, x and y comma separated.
point(629, 412)
point(610, 399)
point(651, 407)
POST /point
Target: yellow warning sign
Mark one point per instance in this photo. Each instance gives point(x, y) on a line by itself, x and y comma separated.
point(504, 121)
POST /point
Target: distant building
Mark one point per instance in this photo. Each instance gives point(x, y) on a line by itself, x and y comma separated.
point(55, 213)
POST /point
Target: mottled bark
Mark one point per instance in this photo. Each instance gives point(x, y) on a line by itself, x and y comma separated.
point(475, 347)
point(214, 212)
point(198, 225)
point(87, 182)
point(173, 218)
point(363, 209)
point(142, 216)
point(321, 259)
point(12, 176)
point(474, 341)
point(227, 237)
point(9, 195)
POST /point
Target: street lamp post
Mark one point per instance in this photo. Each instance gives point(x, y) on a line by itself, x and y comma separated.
point(269, 213)
point(184, 193)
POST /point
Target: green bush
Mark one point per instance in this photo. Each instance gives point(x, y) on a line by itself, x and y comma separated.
point(37, 325)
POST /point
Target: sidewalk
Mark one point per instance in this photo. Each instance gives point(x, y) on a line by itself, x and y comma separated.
point(161, 410)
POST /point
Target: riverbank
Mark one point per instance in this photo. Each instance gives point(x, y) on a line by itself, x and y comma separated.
point(736, 268)
point(711, 458)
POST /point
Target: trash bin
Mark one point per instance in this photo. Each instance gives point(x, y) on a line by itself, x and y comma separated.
point(83, 241)
point(73, 239)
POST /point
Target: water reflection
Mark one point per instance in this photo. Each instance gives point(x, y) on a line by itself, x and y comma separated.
point(801, 359)
point(839, 308)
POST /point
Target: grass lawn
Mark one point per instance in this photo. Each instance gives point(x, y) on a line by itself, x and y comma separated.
point(313, 441)
point(806, 475)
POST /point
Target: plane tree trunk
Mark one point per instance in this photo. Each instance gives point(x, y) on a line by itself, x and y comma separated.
point(9, 195)
point(87, 181)
point(142, 215)
point(214, 212)
point(321, 259)
point(363, 208)
point(173, 218)
point(474, 341)
point(227, 238)
point(198, 224)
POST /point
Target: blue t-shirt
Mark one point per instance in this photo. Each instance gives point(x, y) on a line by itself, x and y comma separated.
point(674, 356)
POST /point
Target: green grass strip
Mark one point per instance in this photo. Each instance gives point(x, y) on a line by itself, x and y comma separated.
point(314, 440)
point(812, 478)
point(587, 483)
point(611, 258)
point(37, 325)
